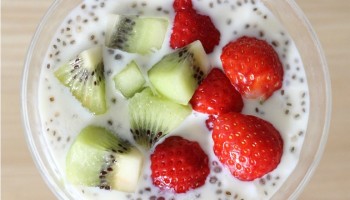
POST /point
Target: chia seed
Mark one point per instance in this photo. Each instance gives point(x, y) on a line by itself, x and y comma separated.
point(118, 57)
point(275, 43)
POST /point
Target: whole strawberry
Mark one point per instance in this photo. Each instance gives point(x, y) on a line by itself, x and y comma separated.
point(179, 165)
point(248, 146)
point(253, 67)
point(190, 26)
point(216, 95)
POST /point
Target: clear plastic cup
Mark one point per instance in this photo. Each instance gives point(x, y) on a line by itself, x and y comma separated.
point(299, 29)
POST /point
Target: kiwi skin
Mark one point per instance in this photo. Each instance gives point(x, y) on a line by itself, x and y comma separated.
point(84, 76)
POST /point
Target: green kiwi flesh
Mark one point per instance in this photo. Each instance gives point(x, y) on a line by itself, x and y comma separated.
point(98, 158)
point(130, 80)
point(84, 76)
point(178, 74)
point(152, 117)
point(135, 34)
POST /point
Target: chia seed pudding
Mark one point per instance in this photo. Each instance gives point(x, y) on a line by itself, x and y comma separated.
point(63, 116)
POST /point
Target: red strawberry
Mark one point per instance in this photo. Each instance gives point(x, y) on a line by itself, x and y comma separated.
point(210, 122)
point(179, 165)
point(216, 95)
point(248, 146)
point(253, 67)
point(190, 26)
point(182, 5)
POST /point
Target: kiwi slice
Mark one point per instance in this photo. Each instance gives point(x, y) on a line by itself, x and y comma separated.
point(178, 74)
point(130, 80)
point(152, 117)
point(135, 34)
point(99, 158)
point(84, 77)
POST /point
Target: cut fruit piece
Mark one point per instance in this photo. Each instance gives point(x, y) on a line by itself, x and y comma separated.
point(135, 34)
point(85, 79)
point(99, 158)
point(216, 95)
point(177, 75)
point(152, 117)
point(130, 80)
point(179, 165)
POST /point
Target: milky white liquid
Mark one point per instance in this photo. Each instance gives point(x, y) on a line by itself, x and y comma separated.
point(63, 117)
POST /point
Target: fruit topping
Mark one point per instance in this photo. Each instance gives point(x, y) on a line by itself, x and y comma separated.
point(209, 122)
point(98, 158)
point(253, 67)
point(182, 5)
point(248, 146)
point(84, 77)
point(179, 165)
point(130, 80)
point(178, 74)
point(216, 95)
point(152, 117)
point(190, 26)
point(135, 34)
